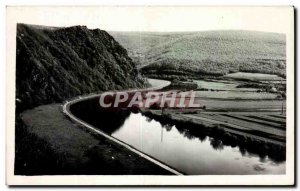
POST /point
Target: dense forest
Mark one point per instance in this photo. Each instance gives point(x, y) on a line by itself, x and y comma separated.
point(54, 64)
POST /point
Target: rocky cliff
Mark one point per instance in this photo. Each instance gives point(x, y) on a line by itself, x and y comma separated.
point(54, 64)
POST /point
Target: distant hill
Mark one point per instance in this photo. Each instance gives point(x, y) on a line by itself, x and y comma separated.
point(53, 64)
point(206, 53)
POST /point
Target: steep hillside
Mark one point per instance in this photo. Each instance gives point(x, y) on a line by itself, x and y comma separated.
point(53, 64)
point(209, 52)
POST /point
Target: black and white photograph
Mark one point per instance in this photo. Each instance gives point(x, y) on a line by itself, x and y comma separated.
point(150, 95)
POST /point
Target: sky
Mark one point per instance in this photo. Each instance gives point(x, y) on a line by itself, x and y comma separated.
point(162, 19)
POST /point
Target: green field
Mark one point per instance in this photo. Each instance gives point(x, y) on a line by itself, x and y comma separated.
point(230, 89)
point(241, 105)
point(216, 85)
point(253, 76)
point(235, 95)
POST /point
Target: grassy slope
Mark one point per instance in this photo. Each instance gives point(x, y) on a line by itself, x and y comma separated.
point(213, 52)
point(51, 144)
point(53, 64)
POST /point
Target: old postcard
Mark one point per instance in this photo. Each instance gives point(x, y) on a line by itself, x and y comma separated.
point(150, 95)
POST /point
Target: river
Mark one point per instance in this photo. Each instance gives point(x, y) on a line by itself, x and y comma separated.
point(191, 154)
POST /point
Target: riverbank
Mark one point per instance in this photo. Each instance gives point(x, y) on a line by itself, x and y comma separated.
point(47, 142)
point(256, 139)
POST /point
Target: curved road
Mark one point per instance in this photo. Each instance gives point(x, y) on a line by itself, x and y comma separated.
point(156, 85)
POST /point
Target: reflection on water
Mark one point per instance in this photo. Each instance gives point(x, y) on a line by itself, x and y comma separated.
point(108, 120)
point(189, 150)
point(191, 154)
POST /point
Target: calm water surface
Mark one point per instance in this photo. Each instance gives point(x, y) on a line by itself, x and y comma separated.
point(190, 154)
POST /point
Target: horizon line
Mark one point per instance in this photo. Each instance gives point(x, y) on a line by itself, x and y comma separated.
point(144, 31)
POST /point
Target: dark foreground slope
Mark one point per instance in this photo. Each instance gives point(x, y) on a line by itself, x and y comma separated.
point(54, 64)
point(206, 53)
point(53, 145)
point(57, 63)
